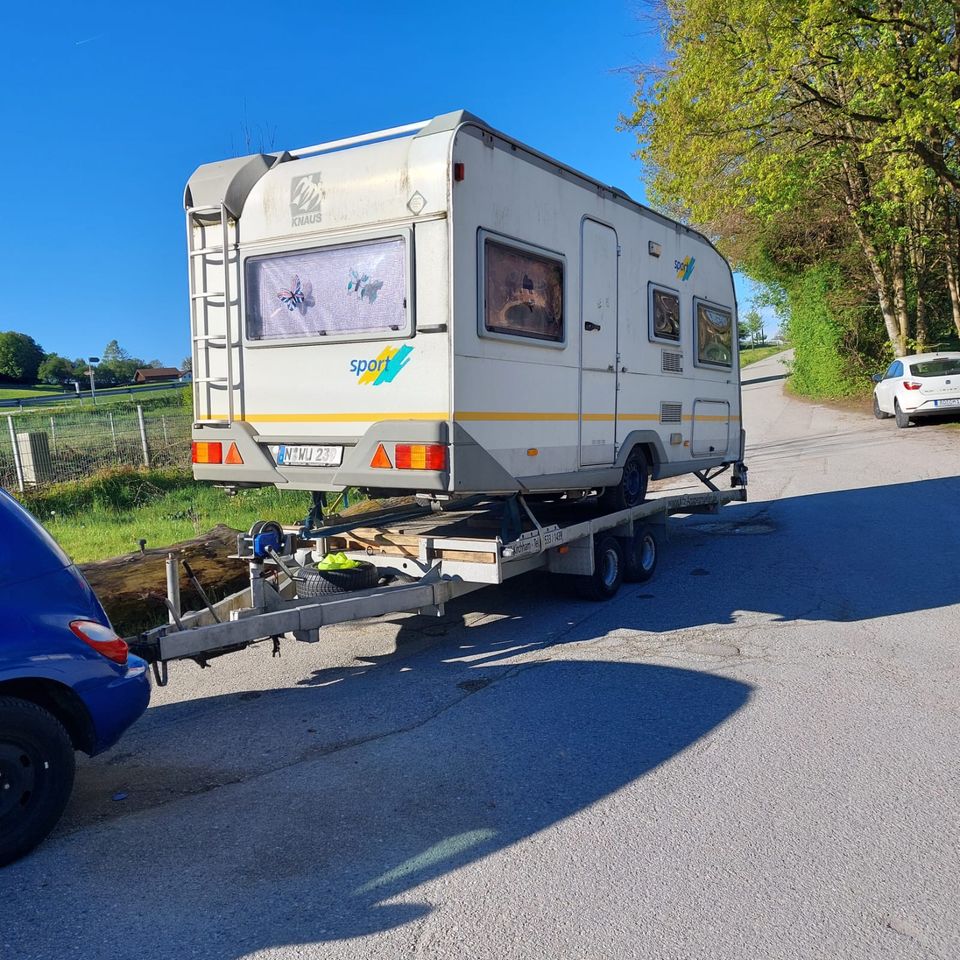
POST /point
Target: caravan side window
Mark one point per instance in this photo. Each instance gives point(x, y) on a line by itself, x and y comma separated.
point(714, 347)
point(522, 292)
point(350, 291)
point(664, 312)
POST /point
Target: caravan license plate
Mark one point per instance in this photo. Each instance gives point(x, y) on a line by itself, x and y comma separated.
point(309, 456)
point(951, 402)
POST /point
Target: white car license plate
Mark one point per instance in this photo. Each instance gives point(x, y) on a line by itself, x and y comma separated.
point(297, 455)
point(949, 402)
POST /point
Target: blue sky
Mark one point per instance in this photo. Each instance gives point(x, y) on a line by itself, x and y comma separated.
point(108, 108)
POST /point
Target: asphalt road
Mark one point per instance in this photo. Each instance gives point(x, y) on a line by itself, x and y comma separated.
point(755, 755)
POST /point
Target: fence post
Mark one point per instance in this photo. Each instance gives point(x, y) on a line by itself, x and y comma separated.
point(53, 436)
point(17, 462)
point(143, 437)
point(163, 423)
point(113, 431)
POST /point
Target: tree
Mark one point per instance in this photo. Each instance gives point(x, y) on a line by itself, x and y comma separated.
point(20, 357)
point(113, 351)
point(755, 327)
point(186, 365)
point(55, 369)
point(816, 120)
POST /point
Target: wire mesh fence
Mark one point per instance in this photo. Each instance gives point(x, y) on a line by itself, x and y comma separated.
point(40, 448)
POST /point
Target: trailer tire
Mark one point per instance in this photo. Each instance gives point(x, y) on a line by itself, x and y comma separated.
point(640, 553)
point(37, 766)
point(322, 583)
point(631, 491)
point(607, 574)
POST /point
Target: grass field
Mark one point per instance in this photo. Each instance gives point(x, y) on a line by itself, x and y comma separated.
point(750, 355)
point(9, 391)
point(170, 396)
point(107, 514)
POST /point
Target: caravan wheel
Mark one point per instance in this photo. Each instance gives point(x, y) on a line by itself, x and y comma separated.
point(632, 489)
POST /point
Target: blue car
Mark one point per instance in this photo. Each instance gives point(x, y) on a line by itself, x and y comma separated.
point(67, 681)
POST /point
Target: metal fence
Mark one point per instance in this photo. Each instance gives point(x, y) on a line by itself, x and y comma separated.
point(37, 448)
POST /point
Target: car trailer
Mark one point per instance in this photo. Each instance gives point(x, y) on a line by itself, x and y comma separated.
point(420, 557)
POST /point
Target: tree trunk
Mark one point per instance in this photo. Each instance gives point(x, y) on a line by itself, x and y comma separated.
point(900, 295)
point(854, 189)
point(953, 268)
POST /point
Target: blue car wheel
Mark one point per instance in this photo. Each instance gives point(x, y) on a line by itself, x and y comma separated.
point(37, 765)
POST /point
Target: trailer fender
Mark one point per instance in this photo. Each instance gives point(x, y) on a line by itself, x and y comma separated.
point(652, 446)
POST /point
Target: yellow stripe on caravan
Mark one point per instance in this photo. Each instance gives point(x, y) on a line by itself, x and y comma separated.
point(480, 415)
point(371, 417)
point(512, 415)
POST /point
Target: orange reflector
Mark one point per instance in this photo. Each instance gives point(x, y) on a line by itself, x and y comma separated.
point(532, 452)
point(204, 452)
point(233, 455)
point(380, 459)
point(421, 456)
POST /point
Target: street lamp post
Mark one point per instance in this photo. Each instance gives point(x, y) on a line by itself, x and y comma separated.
point(90, 370)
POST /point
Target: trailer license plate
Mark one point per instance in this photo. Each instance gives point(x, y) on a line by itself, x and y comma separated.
point(949, 402)
point(309, 456)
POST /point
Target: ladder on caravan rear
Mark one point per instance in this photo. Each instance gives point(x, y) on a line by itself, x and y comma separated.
point(213, 252)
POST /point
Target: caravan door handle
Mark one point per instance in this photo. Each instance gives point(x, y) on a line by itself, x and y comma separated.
point(590, 327)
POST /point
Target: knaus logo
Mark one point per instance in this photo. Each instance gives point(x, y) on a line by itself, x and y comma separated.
point(306, 196)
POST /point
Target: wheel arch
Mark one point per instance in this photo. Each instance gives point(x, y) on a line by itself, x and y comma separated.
point(59, 700)
point(649, 443)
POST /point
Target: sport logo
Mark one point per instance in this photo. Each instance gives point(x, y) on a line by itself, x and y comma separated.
point(306, 195)
point(383, 368)
point(684, 268)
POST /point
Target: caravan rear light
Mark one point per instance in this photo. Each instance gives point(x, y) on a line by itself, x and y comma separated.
point(206, 452)
point(909, 385)
point(421, 456)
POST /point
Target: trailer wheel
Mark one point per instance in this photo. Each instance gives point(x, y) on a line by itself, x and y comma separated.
point(323, 583)
point(607, 574)
point(640, 554)
point(632, 488)
point(36, 775)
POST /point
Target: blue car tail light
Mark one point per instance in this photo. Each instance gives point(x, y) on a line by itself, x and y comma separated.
point(102, 639)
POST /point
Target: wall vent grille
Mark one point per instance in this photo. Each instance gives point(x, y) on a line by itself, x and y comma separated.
point(671, 362)
point(671, 412)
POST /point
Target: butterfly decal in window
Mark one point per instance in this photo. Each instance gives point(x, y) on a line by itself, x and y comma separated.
point(363, 286)
point(299, 297)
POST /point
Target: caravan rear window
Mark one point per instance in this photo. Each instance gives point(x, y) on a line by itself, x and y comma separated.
point(352, 290)
point(523, 293)
point(714, 335)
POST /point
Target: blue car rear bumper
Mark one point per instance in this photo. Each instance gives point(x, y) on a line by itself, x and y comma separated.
point(117, 703)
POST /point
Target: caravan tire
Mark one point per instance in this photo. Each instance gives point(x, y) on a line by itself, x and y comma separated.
point(640, 554)
point(607, 574)
point(322, 583)
point(631, 491)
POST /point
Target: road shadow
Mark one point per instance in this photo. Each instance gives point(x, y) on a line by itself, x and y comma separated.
point(316, 853)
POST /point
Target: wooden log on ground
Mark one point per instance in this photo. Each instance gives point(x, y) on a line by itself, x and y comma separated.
point(132, 587)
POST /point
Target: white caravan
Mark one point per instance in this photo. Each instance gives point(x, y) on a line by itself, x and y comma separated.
point(438, 308)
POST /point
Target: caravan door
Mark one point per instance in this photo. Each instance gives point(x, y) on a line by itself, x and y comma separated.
point(598, 343)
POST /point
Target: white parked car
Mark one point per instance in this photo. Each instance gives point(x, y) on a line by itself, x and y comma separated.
point(922, 385)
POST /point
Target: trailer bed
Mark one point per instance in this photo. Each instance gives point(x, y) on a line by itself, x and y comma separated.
point(431, 559)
